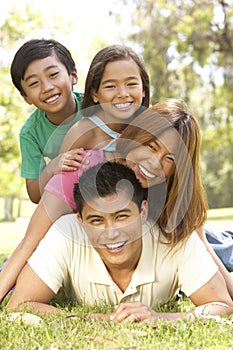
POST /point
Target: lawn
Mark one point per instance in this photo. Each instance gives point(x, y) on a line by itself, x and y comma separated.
point(82, 332)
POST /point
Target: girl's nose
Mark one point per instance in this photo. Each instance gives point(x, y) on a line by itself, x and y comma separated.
point(123, 92)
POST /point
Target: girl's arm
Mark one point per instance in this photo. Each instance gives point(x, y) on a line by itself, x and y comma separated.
point(48, 210)
point(226, 275)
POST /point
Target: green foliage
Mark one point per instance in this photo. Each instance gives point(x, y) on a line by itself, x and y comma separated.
point(187, 47)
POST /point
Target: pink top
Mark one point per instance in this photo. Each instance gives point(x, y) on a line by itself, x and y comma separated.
point(62, 183)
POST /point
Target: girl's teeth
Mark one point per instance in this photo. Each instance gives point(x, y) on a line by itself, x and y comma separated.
point(122, 105)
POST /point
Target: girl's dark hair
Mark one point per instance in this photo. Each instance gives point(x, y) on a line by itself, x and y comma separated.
point(38, 49)
point(110, 54)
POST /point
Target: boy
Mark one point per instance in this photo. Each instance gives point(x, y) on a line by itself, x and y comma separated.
point(44, 72)
point(107, 255)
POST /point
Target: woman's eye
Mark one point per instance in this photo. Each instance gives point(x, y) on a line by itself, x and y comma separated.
point(151, 146)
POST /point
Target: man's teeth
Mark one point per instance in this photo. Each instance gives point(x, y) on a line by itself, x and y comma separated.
point(146, 172)
point(51, 99)
point(115, 245)
point(122, 105)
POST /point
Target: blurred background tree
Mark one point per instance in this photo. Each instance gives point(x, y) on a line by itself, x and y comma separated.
point(187, 47)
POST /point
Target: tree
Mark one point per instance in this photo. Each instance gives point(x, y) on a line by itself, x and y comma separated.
point(187, 47)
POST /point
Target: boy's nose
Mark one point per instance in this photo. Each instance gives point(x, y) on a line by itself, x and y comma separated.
point(47, 86)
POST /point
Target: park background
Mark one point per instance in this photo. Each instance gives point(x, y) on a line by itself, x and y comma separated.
point(187, 46)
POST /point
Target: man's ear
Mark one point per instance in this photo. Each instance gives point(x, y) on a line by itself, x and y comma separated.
point(144, 211)
point(94, 96)
point(80, 220)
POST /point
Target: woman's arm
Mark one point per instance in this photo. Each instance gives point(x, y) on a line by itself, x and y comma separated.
point(48, 210)
point(226, 275)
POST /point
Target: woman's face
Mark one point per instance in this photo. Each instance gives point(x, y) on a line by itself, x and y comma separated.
point(153, 163)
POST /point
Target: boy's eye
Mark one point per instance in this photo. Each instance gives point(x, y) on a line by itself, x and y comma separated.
point(54, 74)
point(121, 217)
point(96, 221)
point(33, 83)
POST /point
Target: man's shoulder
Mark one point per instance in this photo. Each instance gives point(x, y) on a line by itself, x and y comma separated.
point(69, 228)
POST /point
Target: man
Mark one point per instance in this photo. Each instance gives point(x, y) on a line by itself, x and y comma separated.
point(108, 255)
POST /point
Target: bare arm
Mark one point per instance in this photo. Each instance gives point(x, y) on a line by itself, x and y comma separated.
point(226, 275)
point(67, 161)
point(36, 295)
point(48, 210)
point(211, 299)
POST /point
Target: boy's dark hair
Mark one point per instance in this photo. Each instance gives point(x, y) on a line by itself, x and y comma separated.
point(105, 179)
point(102, 58)
point(38, 49)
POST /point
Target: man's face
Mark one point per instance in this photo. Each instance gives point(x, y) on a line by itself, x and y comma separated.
point(114, 227)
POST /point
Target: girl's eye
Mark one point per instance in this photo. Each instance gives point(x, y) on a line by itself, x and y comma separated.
point(133, 83)
point(170, 159)
point(109, 86)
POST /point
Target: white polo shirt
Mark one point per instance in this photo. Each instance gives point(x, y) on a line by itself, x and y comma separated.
point(65, 258)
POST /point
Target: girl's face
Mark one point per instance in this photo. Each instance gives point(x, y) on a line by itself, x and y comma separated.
point(120, 92)
point(153, 163)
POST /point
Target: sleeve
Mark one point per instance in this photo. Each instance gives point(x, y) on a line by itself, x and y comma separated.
point(51, 258)
point(195, 266)
point(33, 161)
point(62, 183)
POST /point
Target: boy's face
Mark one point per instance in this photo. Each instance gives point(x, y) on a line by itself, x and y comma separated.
point(48, 86)
point(114, 227)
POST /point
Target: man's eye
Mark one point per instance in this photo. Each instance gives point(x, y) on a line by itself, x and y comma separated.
point(96, 221)
point(122, 217)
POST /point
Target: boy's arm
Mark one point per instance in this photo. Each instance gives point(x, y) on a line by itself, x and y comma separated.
point(67, 161)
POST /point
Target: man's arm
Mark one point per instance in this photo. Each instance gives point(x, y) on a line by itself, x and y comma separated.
point(212, 299)
point(32, 292)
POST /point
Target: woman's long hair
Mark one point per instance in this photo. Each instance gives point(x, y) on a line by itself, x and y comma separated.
point(179, 205)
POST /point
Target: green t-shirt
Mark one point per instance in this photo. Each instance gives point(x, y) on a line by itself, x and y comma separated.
point(40, 140)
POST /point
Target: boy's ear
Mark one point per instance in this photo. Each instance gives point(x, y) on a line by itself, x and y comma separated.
point(74, 77)
point(144, 211)
point(94, 96)
point(27, 99)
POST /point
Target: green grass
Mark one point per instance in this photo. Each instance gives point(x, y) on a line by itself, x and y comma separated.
point(82, 332)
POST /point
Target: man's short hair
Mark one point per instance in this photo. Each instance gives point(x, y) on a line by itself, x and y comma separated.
point(106, 179)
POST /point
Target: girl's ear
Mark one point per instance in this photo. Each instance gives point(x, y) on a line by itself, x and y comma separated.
point(94, 96)
point(144, 211)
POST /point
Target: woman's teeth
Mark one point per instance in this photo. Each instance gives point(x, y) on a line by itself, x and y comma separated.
point(146, 172)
